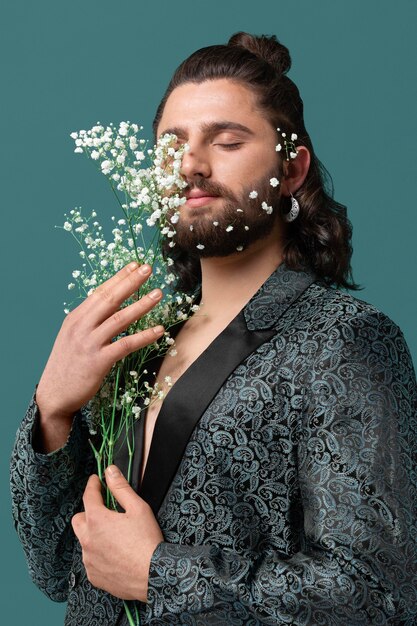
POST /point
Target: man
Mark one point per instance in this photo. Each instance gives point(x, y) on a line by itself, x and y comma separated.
point(273, 485)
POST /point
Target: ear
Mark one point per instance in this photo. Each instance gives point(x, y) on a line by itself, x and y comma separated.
point(295, 171)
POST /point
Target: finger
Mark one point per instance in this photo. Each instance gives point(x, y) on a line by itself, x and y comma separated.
point(111, 282)
point(92, 497)
point(130, 343)
point(120, 488)
point(122, 318)
point(78, 523)
point(108, 297)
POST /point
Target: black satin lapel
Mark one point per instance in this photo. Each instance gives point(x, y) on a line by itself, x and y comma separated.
point(187, 401)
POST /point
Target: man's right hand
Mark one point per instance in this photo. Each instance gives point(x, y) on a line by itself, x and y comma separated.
point(83, 352)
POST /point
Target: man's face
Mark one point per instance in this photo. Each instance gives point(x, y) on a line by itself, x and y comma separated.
point(232, 153)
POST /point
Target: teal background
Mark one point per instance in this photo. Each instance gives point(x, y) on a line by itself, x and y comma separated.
point(67, 65)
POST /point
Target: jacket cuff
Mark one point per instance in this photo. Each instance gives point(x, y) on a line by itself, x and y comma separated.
point(179, 580)
point(73, 454)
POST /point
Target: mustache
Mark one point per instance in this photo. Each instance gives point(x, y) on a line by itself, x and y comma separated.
point(212, 189)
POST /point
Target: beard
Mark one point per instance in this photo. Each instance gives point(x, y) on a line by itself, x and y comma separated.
point(231, 227)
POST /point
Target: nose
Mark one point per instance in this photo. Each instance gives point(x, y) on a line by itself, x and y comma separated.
point(195, 163)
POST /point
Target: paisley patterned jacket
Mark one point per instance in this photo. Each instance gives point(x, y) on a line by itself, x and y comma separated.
point(282, 472)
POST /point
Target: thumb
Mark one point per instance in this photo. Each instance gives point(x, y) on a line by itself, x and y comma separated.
point(120, 488)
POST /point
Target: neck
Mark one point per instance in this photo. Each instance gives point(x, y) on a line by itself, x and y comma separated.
point(228, 283)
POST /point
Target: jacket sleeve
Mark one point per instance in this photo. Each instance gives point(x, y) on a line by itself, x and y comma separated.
point(46, 492)
point(357, 475)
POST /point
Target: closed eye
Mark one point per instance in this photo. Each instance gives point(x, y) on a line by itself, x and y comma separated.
point(230, 146)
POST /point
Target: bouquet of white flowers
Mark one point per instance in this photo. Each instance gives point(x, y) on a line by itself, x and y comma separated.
point(147, 185)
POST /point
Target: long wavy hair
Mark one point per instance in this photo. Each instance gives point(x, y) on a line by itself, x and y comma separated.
point(320, 238)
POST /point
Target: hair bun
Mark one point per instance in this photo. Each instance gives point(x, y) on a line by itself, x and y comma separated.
point(266, 47)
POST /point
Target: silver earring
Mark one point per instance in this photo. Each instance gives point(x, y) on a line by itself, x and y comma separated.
point(293, 212)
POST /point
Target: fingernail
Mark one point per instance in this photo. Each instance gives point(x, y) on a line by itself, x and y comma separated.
point(113, 471)
point(158, 330)
point(132, 266)
point(155, 294)
point(144, 270)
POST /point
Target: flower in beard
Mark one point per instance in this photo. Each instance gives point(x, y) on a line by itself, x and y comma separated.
point(240, 219)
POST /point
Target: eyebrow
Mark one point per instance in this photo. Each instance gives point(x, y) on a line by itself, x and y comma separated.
point(209, 128)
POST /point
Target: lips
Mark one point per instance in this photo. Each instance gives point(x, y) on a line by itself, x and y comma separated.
point(198, 198)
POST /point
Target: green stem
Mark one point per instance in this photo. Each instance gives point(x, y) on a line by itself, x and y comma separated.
point(130, 437)
point(132, 622)
point(113, 414)
point(98, 458)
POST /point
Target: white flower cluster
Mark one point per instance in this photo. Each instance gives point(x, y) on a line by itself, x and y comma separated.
point(147, 184)
point(150, 179)
point(289, 145)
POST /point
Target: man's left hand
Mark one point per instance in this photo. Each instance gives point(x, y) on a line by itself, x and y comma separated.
point(117, 547)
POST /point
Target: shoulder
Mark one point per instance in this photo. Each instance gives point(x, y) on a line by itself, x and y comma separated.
point(331, 326)
point(354, 337)
point(328, 308)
